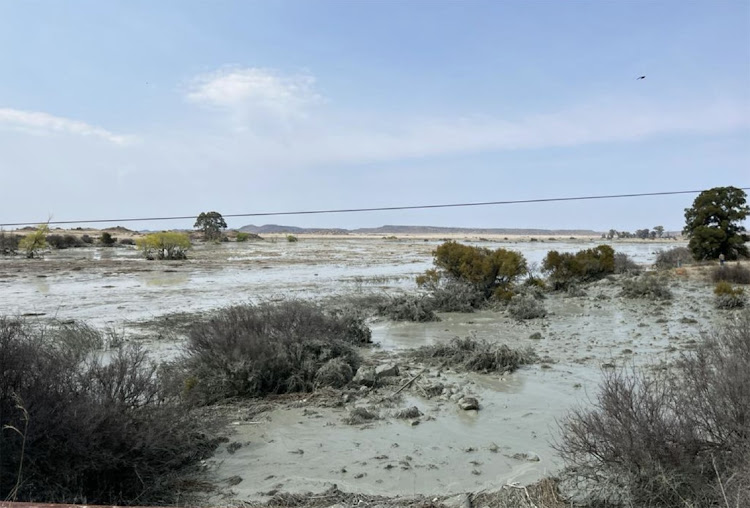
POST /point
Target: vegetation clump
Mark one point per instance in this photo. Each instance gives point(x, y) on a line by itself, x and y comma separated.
point(490, 273)
point(646, 286)
point(35, 242)
point(107, 240)
point(583, 266)
point(625, 264)
point(8, 243)
point(673, 258)
point(64, 241)
point(736, 274)
point(78, 429)
point(714, 224)
point(291, 239)
point(256, 350)
point(728, 297)
point(475, 355)
point(244, 237)
point(526, 306)
point(416, 308)
point(676, 438)
point(164, 245)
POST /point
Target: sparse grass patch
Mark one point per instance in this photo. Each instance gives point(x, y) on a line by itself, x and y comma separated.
point(646, 286)
point(475, 355)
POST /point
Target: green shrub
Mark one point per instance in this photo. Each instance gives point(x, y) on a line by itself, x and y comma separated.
point(734, 273)
point(728, 297)
point(673, 258)
point(77, 429)
point(242, 237)
point(255, 350)
point(107, 239)
point(585, 265)
point(475, 355)
point(678, 437)
point(291, 238)
point(34, 243)
point(165, 245)
point(646, 286)
point(417, 308)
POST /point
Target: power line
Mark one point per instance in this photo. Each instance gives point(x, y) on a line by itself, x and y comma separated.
point(376, 209)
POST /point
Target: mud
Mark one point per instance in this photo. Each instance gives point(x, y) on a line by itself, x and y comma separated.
point(306, 445)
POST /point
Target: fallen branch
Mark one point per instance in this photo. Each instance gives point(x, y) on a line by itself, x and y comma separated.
point(408, 383)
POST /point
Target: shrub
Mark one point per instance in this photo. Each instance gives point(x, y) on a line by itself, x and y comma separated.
point(624, 264)
point(254, 350)
point(76, 429)
point(679, 438)
point(107, 239)
point(33, 243)
point(87, 239)
point(127, 241)
point(408, 308)
point(291, 238)
point(673, 258)
point(8, 243)
point(526, 307)
point(165, 245)
point(243, 237)
point(735, 273)
point(646, 286)
point(582, 266)
point(475, 355)
point(63, 241)
point(484, 269)
point(728, 297)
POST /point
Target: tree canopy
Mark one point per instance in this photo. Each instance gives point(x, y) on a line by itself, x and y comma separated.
point(714, 224)
point(212, 224)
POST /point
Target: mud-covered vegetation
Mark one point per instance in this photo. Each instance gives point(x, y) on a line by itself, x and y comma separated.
point(650, 287)
point(417, 308)
point(676, 438)
point(77, 428)
point(254, 350)
point(8, 243)
point(585, 265)
point(476, 355)
point(526, 306)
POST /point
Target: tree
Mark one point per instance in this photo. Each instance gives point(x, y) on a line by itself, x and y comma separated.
point(166, 245)
point(713, 224)
point(35, 242)
point(212, 224)
point(107, 239)
point(659, 230)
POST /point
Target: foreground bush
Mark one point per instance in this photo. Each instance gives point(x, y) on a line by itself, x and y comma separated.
point(673, 258)
point(76, 429)
point(646, 286)
point(255, 350)
point(677, 439)
point(165, 245)
point(728, 297)
point(586, 265)
point(489, 272)
point(475, 355)
point(735, 273)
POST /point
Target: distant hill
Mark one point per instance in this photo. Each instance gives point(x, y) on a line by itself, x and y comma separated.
point(414, 230)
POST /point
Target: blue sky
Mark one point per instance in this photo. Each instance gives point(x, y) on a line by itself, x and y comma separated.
point(138, 108)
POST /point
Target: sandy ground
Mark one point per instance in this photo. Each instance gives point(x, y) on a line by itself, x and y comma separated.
point(303, 443)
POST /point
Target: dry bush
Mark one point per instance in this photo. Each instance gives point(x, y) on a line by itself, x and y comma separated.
point(8, 243)
point(735, 273)
point(64, 241)
point(360, 415)
point(624, 264)
point(78, 429)
point(728, 297)
point(417, 308)
point(646, 286)
point(678, 438)
point(526, 306)
point(673, 258)
point(456, 296)
point(475, 355)
point(254, 350)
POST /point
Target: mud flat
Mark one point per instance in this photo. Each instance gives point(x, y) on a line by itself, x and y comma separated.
point(307, 443)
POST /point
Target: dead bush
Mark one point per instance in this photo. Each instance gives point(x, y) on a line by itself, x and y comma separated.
point(475, 355)
point(678, 438)
point(64, 241)
point(624, 264)
point(79, 429)
point(335, 373)
point(646, 286)
point(673, 258)
point(417, 308)
point(526, 307)
point(360, 415)
point(735, 273)
point(451, 295)
point(254, 350)
point(8, 243)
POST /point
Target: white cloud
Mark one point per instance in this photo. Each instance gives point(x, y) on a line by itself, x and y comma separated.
point(37, 122)
point(253, 92)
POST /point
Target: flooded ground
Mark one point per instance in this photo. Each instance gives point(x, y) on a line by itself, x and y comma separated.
point(308, 446)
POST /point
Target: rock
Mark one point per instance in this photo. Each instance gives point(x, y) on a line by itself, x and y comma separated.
point(468, 403)
point(365, 376)
point(414, 423)
point(386, 370)
point(528, 456)
point(536, 336)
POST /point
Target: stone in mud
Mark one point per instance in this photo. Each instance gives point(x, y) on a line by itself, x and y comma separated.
point(468, 403)
point(386, 370)
point(365, 376)
point(528, 456)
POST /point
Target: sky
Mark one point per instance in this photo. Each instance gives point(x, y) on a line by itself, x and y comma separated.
point(119, 109)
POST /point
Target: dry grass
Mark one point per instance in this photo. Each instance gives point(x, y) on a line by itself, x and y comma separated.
point(475, 355)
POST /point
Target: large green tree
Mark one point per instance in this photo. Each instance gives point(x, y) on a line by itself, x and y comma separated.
point(714, 224)
point(212, 224)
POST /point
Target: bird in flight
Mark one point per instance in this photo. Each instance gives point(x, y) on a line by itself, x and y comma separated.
point(640, 77)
